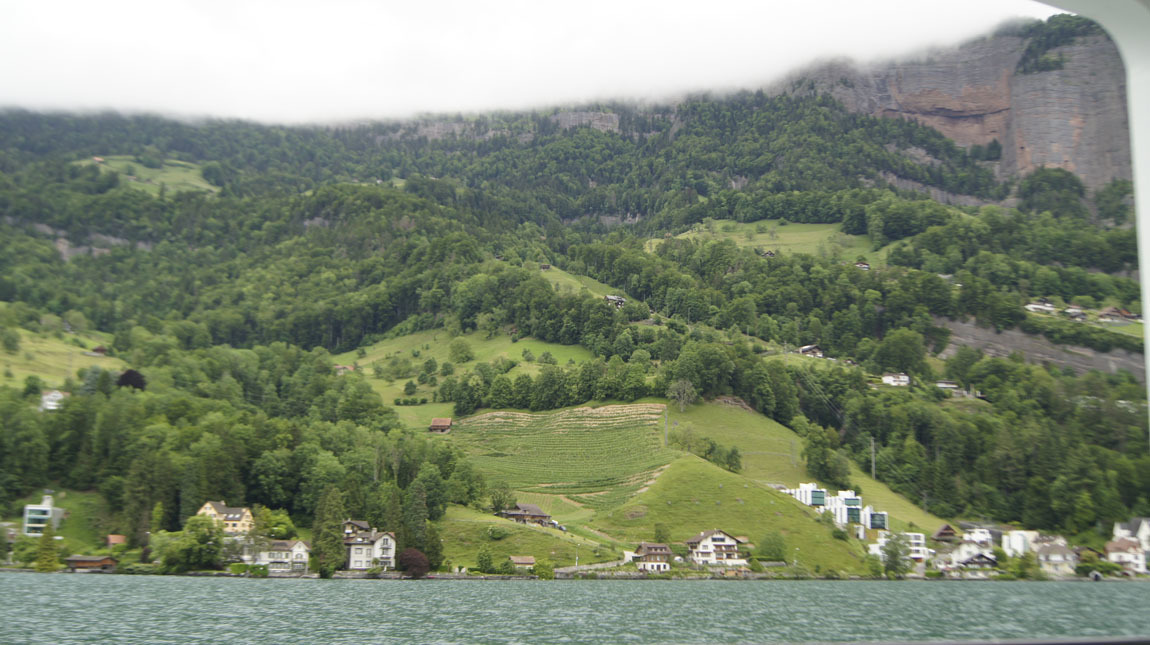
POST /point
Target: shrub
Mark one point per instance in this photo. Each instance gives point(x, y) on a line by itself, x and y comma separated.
point(495, 532)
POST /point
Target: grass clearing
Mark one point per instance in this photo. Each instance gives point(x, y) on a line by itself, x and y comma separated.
point(565, 281)
point(693, 495)
point(54, 358)
point(597, 457)
point(175, 175)
point(82, 528)
point(465, 530)
point(772, 453)
point(433, 343)
point(821, 240)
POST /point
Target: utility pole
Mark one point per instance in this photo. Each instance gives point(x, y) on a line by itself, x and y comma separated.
point(872, 458)
point(665, 432)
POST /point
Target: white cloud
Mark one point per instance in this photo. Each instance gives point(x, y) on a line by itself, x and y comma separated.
point(346, 59)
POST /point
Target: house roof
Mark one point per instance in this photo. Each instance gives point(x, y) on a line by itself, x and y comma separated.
point(441, 422)
point(1134, 524)
point(1123, 544)
point(706, 534)
point(287, 545)
point(979, 558)
point(652, 547)
point(229, 512)
point(523, 560)
point(89, 558)
point(1054, 549)
point(945, 531)
point(359, 524)
point(526, 509)
point(368, 537)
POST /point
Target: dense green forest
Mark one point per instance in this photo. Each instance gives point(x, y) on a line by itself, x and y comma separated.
point(323, 240)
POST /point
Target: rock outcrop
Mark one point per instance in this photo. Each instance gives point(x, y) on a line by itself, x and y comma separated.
point(1072, 118)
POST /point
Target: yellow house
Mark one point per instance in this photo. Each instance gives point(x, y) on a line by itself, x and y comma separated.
point(235, 519)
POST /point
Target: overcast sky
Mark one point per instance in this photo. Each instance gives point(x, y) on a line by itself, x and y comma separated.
point(290, 61)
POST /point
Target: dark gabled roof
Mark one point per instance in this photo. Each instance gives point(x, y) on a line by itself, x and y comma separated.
point(228, 512)
point(979, 558)
point(90, 558)
point(441, 422)
point(1123, 544)
point(359, 524)
point(522, 560)
point(1134, 524)
point(652, 547)
point(525, 509)
point(706, 534)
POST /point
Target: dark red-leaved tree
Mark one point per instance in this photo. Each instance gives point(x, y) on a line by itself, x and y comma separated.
point(414, 563)
point(132, 378)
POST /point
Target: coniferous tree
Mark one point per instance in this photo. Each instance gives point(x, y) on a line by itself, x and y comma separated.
point(47, 552)
point(328, 552)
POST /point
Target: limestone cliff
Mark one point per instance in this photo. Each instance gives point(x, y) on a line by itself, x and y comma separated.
point(1072, 118)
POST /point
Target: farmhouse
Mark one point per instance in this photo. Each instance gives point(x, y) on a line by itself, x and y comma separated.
point(526, 514)
point(616, 301)
point(1128, 554)
point(441, 425)
point(862, 265)
point(714, 547)
point(945, 533)
point(235, 519)
point(811, 350)
point(652, 556)
point(544, 267)
point(90, 563)
point(523, 561)
point(340, 370)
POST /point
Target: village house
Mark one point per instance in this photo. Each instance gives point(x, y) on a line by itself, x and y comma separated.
point(714, 547)
point(1137, 529)
point(896, 380)
point(980, 536)
point(523, 561)
point(1056, 560)
point(367, 547)
point(340, 370)
point(945, 533)
point(236, 520)
point(652, 556)
point(38, 516)
point(616, 301)
point(280, 555)
point(1041, 308)
point(115, 539)
point(1015, 543)
point(526, 514)
point(916, 543)
point(979, 562)
point(440, 425)
point(90, 563)
point(1128, 554)
point(51, 400)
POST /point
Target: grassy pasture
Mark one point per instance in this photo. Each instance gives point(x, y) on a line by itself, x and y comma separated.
point(464, 531)
point(772, 453)
point(822, 240)
point(564, 281)
point(434, 344)
point(53, 359)
point(692, 495)
point(596, 457)
point(82, 528)
point(175, 175)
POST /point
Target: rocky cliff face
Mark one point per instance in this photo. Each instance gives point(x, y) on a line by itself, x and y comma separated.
point(1073, 118)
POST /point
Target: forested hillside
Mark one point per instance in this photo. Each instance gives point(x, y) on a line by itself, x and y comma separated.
point(315, 241)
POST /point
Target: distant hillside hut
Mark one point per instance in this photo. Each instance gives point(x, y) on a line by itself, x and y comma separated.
point(440, 425)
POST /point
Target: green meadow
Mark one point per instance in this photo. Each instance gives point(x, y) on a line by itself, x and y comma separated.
point(821, 240)
point(175, 176)
point(54, 358)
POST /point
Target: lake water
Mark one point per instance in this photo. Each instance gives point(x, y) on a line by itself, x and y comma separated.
point(84, 608)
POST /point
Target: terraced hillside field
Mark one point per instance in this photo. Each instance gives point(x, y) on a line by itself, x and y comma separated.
point(594, 456)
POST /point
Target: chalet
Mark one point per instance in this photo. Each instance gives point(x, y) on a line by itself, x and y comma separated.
point(526, 514)
point(281, 555)
point(115, 539)
point(235, 519)
point(715, 547)
point(1137, 529)
point(862, 265)
point(38, 516)
point(523, 561)
point(1040, 308)
point(340, 370)
point(544, 267)
point(100, 350)
point(652, 556)
point(769, 254)
point(1128, 554)
point(98, 159)
point(896, 380)
point(945, 533)
point(811, 350)
point(367, 547)
point(1110, 314)
point(51, 400)
point(616, 301)
point(1057, 560)
point(979, 561)
point(90, 563)
point(441, 425)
